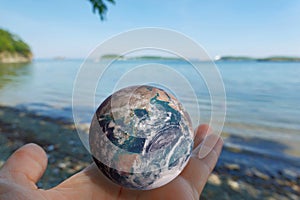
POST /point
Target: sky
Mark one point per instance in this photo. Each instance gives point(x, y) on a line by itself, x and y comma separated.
point(69, 28)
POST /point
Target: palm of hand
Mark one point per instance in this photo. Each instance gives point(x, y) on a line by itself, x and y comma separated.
point(24, 168)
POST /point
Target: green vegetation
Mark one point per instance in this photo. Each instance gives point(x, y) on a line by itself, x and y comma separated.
point(13, 44)
point(280, 58)
point(155, 58)
point(150, 57)
point(236, 58)
point(100, 7)
point(112, 56)
point(268, 59)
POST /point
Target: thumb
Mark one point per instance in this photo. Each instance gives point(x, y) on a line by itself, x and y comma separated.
point(25, 166)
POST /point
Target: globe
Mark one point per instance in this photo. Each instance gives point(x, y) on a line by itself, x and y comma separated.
point(141, 137)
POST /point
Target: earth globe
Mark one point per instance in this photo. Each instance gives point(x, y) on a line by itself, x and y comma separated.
point(141, 137)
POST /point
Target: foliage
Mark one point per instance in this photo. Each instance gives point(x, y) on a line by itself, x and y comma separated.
point(111, 56)
point(267, 59)
point(101, 7)
point(280, 58)
point(13, 44)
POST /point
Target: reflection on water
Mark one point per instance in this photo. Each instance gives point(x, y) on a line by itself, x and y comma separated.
point(49, 82)
point(14, 73)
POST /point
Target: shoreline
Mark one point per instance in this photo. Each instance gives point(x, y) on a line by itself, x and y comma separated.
point(238, 175)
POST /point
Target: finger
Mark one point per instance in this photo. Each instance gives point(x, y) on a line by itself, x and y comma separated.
point(209, 163)
point(207, 145)
point(198, 170)
point(25, 166)
point(200, 134)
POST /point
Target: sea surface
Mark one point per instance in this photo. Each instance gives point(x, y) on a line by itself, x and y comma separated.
point(262, 98)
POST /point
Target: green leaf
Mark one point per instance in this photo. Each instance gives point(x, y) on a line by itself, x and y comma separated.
point(99, 6)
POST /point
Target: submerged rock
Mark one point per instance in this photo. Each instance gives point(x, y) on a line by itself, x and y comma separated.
point(232, 166)
point(233, 184)
point(214, 179)
point(260, 174)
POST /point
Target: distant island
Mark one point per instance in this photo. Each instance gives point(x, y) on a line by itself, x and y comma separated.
point(217, 58)
point(267, 59)
point(155, 58)
point(13, 49)
point(146, 57)
point(112, 56)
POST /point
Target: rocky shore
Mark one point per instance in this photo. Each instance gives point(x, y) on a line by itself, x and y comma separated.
point(238, 174)
point(7, 57)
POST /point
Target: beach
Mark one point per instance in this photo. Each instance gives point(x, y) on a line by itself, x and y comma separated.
point(239, 174)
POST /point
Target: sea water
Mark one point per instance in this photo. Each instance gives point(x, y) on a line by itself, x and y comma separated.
point(263, 110)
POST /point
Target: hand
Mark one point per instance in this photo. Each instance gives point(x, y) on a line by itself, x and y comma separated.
point(24, 168)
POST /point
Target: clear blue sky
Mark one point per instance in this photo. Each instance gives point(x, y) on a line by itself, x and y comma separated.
point(224, 27)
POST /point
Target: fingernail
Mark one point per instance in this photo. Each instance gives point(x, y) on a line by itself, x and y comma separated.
point(207, 145)
point(201, 150)
point(204, 151)
point(195, 152)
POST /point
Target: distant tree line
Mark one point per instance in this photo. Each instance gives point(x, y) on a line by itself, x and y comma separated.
point(13, 44)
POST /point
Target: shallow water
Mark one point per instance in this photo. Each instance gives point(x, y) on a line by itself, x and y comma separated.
point(262, 97)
